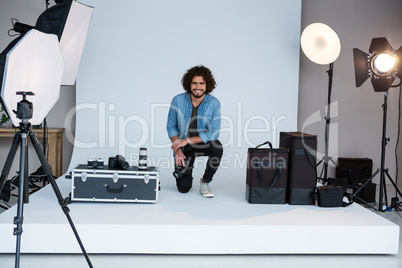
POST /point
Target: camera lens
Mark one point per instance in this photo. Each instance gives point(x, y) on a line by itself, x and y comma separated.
point(142, 159)
point(95, 164)
point(121, 162)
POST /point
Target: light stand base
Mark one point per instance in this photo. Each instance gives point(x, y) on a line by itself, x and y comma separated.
point(382, 171)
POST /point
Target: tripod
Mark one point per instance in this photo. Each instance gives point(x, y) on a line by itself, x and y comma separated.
point(24, 112)
point(382, 171)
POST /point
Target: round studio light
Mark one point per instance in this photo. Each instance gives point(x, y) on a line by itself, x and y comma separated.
point(320, 43)
point(383, 64)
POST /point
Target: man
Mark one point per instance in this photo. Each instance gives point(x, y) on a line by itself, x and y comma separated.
point(193, 126)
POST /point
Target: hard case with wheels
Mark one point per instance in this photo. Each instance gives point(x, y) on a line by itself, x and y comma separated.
point(302, 174)
point(112, 185)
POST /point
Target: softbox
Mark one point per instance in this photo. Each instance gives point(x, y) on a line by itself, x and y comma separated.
point(32, 62)
point(69, 20)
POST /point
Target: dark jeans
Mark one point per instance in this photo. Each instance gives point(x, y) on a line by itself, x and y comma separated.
point(212, 149)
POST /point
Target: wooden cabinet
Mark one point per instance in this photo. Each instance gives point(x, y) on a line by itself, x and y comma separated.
point(55, 145)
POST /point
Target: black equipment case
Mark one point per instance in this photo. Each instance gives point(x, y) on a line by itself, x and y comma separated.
point(267, 172)
point(330, 196)
point(357, 171)
point(302, 174)
point(112, 185)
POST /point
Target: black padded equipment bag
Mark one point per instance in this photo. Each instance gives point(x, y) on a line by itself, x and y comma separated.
point(266, 175)
point(302, 174)
point(357, 170)
point(331, 196)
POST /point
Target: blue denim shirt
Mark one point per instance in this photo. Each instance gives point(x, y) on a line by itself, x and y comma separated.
point(208, 118)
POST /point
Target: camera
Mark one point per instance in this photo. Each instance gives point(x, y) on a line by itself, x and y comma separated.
point(118, 162)
point(181, 171)
point(95, 163)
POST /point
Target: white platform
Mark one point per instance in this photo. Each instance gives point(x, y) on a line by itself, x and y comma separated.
point(190, 224)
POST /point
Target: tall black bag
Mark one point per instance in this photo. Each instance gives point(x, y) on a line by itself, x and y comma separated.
point(266, 175)
point(302, 174)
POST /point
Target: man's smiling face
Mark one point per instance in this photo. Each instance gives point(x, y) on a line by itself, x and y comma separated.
point(198, 87)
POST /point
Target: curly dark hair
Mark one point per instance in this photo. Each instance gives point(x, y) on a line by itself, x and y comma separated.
point(198, 71)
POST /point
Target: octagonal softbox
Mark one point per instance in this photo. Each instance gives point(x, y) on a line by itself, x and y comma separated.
point(69, 20)
point(33, 62)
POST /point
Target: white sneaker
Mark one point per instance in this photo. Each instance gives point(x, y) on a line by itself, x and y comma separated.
point(204, 190)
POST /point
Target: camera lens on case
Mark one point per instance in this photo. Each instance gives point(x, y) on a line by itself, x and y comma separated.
point(142, 158)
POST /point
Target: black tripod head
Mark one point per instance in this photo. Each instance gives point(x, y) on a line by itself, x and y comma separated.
point(24, 110)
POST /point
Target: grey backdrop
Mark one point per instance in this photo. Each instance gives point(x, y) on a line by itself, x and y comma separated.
point(357, 112)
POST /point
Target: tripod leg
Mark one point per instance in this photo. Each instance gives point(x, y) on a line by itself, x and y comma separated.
point(322, 170)
point(18, 220)
point(333, 162)
point(56, 190)
point(364, 184)
point(343, 172)
point(361, 187)
point(9, 160)
point(384, 187)
point(26, 178)
point(393, 183)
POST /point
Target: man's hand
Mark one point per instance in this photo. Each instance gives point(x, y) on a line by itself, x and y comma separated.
point(178, 144)
point(180, 158)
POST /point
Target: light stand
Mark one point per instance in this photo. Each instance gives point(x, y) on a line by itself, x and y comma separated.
point(321, 45)
point(382, 170)
point(326, 158)
point(381, 65)
point(24, 113)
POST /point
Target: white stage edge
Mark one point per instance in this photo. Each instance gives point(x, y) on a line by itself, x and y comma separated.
point(190, 224)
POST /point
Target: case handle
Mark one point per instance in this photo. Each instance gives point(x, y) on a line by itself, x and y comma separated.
point(115, 190)
point(267, 142)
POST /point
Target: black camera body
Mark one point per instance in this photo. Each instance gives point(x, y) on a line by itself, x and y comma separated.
point(95, 163)
point(118, 162)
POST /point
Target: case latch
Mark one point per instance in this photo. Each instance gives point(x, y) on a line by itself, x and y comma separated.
point(146, 178)
point(84, 176)
point(115, 177)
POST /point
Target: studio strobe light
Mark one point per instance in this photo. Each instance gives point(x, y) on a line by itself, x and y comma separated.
point(383, 64)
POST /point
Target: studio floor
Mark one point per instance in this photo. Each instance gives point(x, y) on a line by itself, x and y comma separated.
point(212, 261)
point(233, 200)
